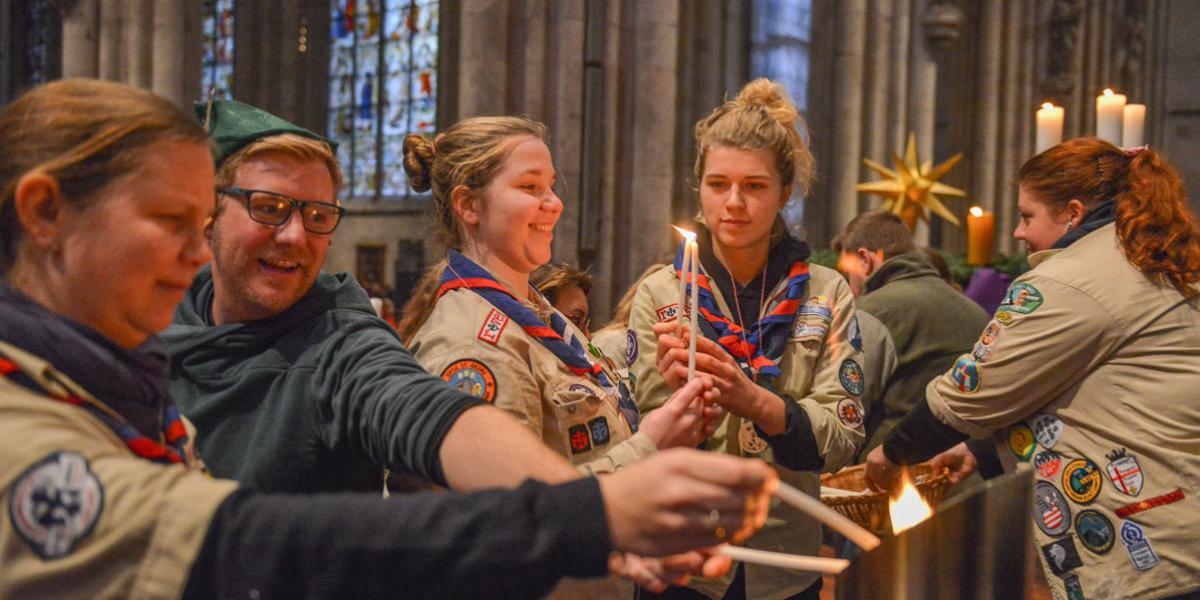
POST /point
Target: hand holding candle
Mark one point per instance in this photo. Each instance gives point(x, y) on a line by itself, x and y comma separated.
point(689, 271)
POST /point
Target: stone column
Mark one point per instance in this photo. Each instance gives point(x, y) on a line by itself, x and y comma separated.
point(922, 95)
point(987, 106)
point(81, 50)
point(136, 42)
point(875, 110)
point(168, 73)
point(483, 69)
point(562, 95)
point(898, 76)
point(111, 20)
point(847, 112)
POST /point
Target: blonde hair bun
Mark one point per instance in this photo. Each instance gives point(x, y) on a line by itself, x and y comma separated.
point(418, 161)
point(762, 93)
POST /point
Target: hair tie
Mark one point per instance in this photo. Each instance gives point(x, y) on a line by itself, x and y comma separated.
point(1132, 152)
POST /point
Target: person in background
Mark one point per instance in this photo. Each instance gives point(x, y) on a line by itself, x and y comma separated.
point(105, 192)
point(616, 339)
point(567, 289)
point(1088, 372)
point(777, 333)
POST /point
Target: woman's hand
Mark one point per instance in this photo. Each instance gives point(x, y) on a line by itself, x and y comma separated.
point(655, 574)
point(880, 472)
point(959, 459)
point(687, 417)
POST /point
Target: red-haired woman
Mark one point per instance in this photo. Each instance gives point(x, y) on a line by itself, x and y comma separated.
point(1091, 375)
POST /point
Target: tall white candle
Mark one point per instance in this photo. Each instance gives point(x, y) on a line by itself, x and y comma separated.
point(1110, 116)
point(1049, 127)
point(693, 322)
point(683, 275)
point(1133, 129)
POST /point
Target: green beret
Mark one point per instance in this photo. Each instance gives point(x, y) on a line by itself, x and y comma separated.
point(232, 124)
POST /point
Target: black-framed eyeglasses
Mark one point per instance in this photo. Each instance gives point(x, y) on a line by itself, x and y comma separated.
point(270, 208)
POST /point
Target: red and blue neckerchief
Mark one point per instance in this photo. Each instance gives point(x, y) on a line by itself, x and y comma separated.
point(174, 434)
point(462, 272)
point(753, 356)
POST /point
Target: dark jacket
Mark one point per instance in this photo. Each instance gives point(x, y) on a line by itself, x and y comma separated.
point(930, 324)
point(318, 398)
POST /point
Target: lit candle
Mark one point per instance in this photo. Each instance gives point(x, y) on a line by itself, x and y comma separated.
point(980, 232)
point(1134, 126)
point(1049, 127)
point(694, 315)
point(1110, 116)
point(684, 269)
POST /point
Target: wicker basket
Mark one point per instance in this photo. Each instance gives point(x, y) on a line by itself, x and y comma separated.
point(871, 510)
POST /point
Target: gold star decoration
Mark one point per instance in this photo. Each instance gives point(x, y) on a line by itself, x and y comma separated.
point(913, 187)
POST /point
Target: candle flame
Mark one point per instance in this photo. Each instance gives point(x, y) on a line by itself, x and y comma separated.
point(1108, 92)
point(908, 509)
point(688, 235)
point(1047, 105)
point(976, 211)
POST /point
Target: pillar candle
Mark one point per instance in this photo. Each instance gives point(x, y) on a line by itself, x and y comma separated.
point(1134, 126)
point(1110, 116)
point(980, 232)
point(1049, 127)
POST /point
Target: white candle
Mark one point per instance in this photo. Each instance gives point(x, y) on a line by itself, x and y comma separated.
point(1110, 116)
point(1049, 127)
point(786, 561)
point(1133, 129)
point(683, 275)
point(814, 508)
point(694, 319)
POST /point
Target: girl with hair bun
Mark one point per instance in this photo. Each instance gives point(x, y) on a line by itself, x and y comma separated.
point(779, 336)
point(1092, 376)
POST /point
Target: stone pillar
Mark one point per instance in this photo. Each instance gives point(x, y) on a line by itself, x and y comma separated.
point(137, 42)
point(562, 98)
point(987, 104)
point(81, 50)
point(875, 143)
point(922, 95)
point(897, 111)
point(482, 70)
point(847, 112)
point(168, 73)
point(111, 20)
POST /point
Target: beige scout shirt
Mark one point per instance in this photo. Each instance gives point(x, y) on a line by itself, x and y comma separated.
point(1090, 374)
point(126, 527)
point(472, 345)
point(821, 371)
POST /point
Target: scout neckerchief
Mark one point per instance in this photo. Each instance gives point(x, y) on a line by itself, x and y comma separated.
point(756, 357)
point(462, 272)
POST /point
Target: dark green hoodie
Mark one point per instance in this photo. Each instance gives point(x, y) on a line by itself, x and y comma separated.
point(319, 398)
point(931, 324)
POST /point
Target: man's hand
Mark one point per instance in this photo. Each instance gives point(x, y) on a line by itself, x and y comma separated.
point(959, 459)
point(684, 499)
point(687, 417)
point(880, 472)
point(655, 574)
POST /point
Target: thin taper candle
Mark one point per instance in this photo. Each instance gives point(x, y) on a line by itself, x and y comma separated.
point(694, 320)
point(786, 561)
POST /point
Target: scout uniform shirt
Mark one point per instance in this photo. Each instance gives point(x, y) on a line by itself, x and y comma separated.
point(820, 371)
point(1089, 374)
point(480, 350)
point(87, 517)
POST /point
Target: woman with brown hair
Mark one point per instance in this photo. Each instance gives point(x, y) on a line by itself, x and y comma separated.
point(1089, 372)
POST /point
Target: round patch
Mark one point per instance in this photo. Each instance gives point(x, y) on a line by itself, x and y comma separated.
point(965, 374)
point(1051, 513)
point(1048, 463)
point(748, 439)
point(1081, 480)
point(471, 377)
point(1095, 531)
point(55, 503)
point(852, 377)
point(1047, 429)
point(1020, 441)
point(850, 413)
point(631, 347)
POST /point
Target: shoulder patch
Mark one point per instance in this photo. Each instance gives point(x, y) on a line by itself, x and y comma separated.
point(850, 413)
point(965, 373)
point(668, 312)
point(1021, 442)
point(1048, 462)
point(851, 376)
point(1047, 429)
point(599, 429)
point(56, 503)
point(493, 326)
point(580, 438)
point(471, 377)
point(1140, 552)
point(1051, 513)
point(1081, 480)
point(1124, 472)
point(1022, 297)
point(1061, 555)
point(1095, 531)
point(631, 347)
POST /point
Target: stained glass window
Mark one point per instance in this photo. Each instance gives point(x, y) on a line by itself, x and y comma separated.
point(382, 86)
point(217, 76)
point(780, 45)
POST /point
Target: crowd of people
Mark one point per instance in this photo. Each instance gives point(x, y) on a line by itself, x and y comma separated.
point(191, 407)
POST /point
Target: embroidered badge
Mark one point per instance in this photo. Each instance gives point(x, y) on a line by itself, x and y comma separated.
point(990, 333)
point(1047, 429)
point(581, 388)
point(1124, 472)
point(816, 307)
point(1061, 555)
point(579, 438)
point(1048, 462)
point(1081, 480)
point(965, 373)
point(1022, 298)
point(981, 353)
point(1074, 590)
point(801, 329)
point(748, 439)
point(493, 326)
point(668, 312)
point(855, 334)
point(1095, 531)
point(851, 376)
point(471, 377)
point(1020, 441)
point(1005, 317)
point(1051, 513)
point(1138, 546)
point(599, 429)
point(850, 413)
point(1149, 503)
point(55, 503)
point(631, 347)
